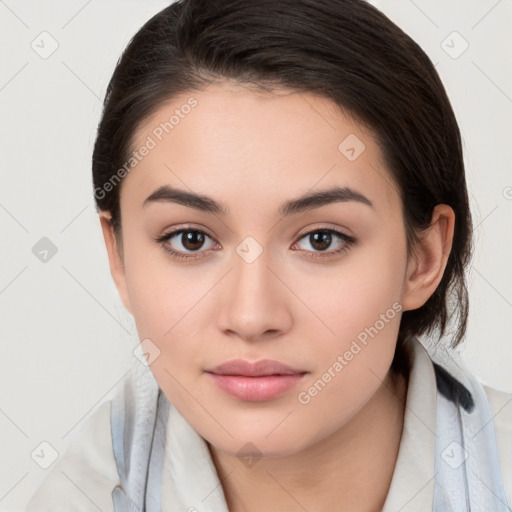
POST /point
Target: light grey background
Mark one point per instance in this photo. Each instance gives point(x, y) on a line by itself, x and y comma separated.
point(66, 340)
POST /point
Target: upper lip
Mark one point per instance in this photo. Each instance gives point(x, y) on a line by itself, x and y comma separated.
point(253, 368)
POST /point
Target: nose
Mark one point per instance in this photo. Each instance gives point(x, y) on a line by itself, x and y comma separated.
point(255, 300)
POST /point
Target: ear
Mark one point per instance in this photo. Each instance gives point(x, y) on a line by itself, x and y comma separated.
point(427, 263)
point(115, 259)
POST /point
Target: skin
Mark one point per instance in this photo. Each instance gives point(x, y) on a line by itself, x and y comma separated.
point(253, 151)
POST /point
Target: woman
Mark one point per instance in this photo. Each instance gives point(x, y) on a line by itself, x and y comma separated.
point(282, 195)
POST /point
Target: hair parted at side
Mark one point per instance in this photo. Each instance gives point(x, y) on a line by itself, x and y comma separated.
point(345, 50)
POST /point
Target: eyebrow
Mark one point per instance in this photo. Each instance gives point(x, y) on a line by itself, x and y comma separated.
point(308, 201)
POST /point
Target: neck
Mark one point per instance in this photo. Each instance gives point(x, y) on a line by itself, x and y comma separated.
point(351, 470)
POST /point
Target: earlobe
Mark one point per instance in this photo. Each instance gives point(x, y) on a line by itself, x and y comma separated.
point(116, 263)
point(426, 266)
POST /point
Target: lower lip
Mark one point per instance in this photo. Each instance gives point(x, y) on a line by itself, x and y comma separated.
point(256, 389)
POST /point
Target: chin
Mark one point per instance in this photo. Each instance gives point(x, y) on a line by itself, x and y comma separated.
point(254, 442)
point(258, 448)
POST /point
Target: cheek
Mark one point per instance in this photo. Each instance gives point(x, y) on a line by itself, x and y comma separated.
point(364, 291)
point(168, 308)
point(360, 307)
point(351, 362)
point(166, 303)
point(161, 292)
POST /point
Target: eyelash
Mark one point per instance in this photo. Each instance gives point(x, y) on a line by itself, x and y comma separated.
point(348, 241)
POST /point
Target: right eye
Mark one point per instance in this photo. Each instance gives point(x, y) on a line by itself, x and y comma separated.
point(189, 239)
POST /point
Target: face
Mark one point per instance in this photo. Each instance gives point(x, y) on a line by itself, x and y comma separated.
point(318, 286)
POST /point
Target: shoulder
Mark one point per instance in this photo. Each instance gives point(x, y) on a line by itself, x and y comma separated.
point(83, 479)
point(501, 408)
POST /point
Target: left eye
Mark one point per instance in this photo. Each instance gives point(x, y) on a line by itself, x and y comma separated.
point(321, 239)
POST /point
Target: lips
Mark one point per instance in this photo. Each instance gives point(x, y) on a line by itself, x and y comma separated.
point(255, 381)
point(254, 369)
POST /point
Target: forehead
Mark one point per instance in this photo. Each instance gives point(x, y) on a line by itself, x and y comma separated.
point(228, 139)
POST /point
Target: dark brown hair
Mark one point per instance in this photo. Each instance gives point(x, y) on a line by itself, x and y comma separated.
point(344, 50)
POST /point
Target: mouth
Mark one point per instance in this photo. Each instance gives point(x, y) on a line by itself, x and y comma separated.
point(255, 381)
